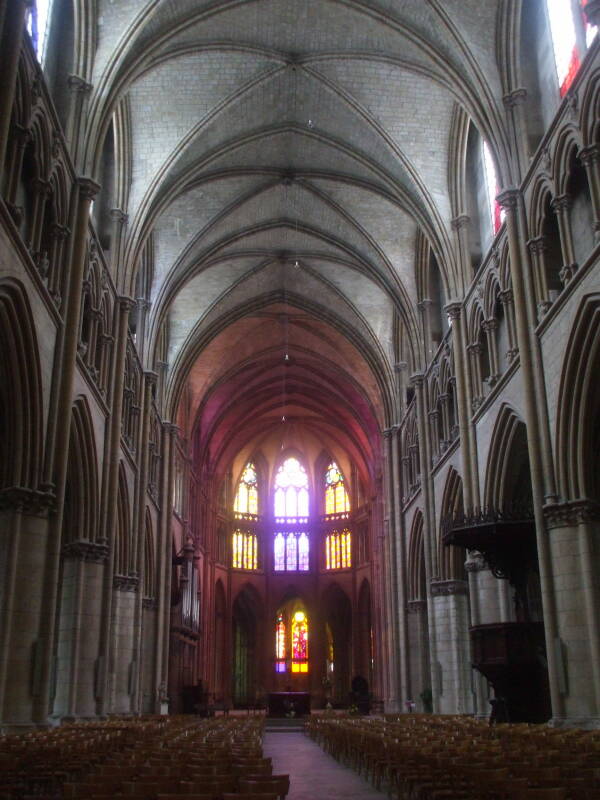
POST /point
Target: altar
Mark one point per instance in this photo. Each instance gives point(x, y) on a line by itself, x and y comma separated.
point(283, 703)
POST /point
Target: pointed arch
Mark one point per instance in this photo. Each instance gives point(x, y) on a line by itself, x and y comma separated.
point(507, 480)
point(81, 493)
point(451, 559)
point(122, 543)
point(578, 431)
point(150, 577)
point(417, 586)
point(21, 401)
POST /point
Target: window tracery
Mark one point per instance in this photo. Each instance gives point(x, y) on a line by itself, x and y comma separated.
point(245, 550)
point(338, 550)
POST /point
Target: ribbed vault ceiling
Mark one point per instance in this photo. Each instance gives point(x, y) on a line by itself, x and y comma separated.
point(269, 133)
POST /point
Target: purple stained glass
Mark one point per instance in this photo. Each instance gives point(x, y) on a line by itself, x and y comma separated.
point(291, 548)
point(303, 548)
point(279, 552)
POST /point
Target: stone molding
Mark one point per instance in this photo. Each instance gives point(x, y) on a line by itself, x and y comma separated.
point(126, 583)
point(571, 513)
point(446, 588)
point(36, 502)
point(149, 603)
point(416, 606)
point(82, 550)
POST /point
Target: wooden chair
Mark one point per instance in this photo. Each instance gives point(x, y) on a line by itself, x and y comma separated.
point(259, 784)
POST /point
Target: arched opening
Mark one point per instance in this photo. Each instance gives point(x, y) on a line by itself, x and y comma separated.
point(245, 630)
point(581, 217)
point(337, 616)
point(220, 651)
point(364, 635)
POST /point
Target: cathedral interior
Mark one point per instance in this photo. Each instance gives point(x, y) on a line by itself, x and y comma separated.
point(299, 357)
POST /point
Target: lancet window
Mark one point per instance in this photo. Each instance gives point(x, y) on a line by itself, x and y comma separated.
point(299, 642)
point(280, 649)
point(291, 492)
point(338, 550)
point(246, 498)
point(245, 550)
point(566, 27)
point(336, 496)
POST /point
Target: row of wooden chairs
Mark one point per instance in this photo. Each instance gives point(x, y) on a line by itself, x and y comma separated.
point(141, 759)
point(424, 756)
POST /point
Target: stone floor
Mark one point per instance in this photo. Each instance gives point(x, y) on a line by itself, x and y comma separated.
point(314, 775)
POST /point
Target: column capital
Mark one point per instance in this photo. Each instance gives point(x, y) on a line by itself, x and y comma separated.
point(36, 502)
point(454, 309)
point(490, 324)
point(417, 379)
point(561, 203)
point(401, 366)
point(126, 303)
point(461, 221)
point(571, 513)
point(536, 245)
point(591, 153)
point(516, 97)
point(78, 84)
point(150, 377)
point(509, 197)
point(119, 216)
point(88, 188)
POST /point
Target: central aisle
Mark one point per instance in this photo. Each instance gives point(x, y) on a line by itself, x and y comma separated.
point(314, 775)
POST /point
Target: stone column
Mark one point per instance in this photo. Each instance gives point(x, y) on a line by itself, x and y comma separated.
point(561, 206)
point(400, 569)
point(24, 522)
point(120, 222)
point(590, 158)
point(429, 529)
point(490, 326)
point(78, 628)
point(463, 409)
point(59, 428)
point(474, 565)
point(164, 563)
point(573, 528)
point(140, 529)
point(390, 572)
point(453, 648)
point(460, 225)
point(75, 127)
point(401, 370)
point(542, 481)
point(11, 42)
point(110, 487)
point(514, 102)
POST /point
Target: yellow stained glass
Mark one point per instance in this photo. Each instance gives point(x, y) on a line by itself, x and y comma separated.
point(330, 500)
point(336, 496)
point(252, 500)
point(245, 550)
point(246, 498)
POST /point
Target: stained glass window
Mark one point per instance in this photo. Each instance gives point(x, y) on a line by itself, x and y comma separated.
point(491, 181)
point(336, 496)
point(245, 550)
point(246, 499)
point(291, 552)
point(280, 644)
point(299, 642)
point(38, 18)
point(291, 491)
point(338, 550)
